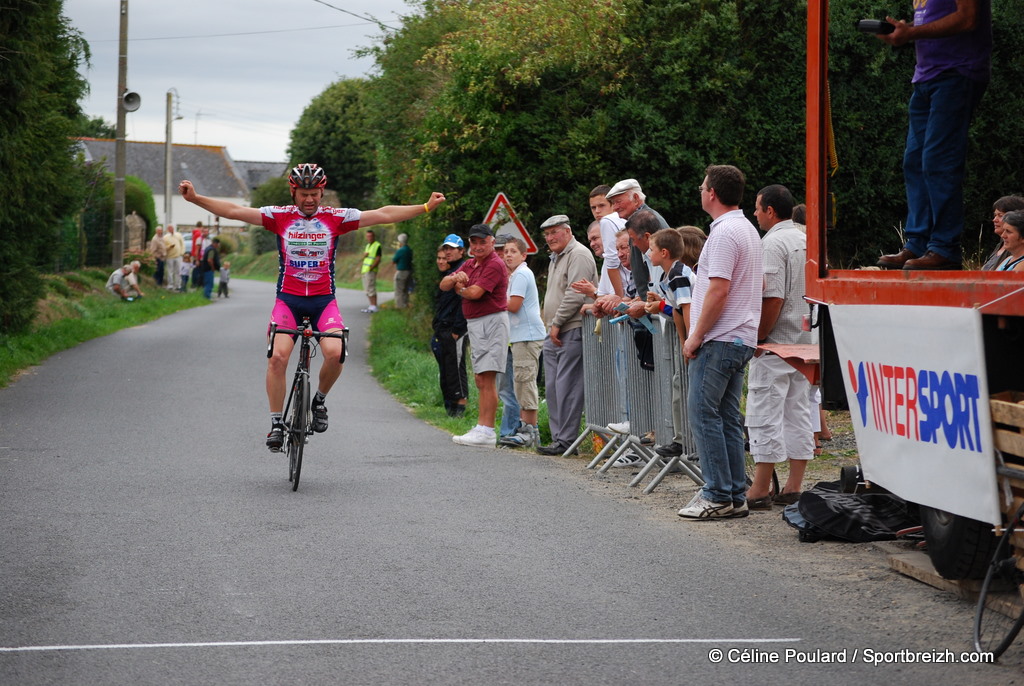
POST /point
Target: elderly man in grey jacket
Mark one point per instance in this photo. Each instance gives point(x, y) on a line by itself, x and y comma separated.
point(563, 346)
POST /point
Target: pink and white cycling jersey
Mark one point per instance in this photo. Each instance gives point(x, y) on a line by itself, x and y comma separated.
point(306, 246)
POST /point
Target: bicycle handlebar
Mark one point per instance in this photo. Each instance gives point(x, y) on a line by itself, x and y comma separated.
point(308, 332)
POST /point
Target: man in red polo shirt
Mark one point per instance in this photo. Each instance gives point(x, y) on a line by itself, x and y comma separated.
point(482, 283)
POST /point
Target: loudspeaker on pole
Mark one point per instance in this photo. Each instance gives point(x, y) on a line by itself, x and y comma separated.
point(130, 101)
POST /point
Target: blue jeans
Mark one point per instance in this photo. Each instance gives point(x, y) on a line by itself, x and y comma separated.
point(507, 393)
point(208, 284)
point(933, 164)
point(713, 403)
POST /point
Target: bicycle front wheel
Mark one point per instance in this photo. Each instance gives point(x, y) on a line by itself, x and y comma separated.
point(1000, 614)
point(297, 424)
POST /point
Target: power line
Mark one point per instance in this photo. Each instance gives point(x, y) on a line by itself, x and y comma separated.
point(247, 33)
point(367, 17)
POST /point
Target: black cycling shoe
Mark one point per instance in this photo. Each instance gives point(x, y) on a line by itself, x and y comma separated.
point(319, 417)
point(275, 439)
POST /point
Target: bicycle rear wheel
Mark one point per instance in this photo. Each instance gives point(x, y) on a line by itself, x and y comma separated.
point(1000, 615)
point(297, 426)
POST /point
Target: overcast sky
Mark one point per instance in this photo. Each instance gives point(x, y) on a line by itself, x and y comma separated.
point(244, 70)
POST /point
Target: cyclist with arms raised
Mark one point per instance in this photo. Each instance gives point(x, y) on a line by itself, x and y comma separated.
point(307, 237)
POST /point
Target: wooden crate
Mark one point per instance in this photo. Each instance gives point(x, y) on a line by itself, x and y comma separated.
point(1008, 428)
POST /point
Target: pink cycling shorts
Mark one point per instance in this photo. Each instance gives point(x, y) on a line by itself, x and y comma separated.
point(322, 311)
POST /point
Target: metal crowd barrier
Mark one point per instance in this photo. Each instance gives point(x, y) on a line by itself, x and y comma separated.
point(617, 388)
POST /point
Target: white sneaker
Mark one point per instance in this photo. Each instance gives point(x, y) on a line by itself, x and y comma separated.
point(619, 427)
point(702, 508)
point(628, 460)
point(476, 436)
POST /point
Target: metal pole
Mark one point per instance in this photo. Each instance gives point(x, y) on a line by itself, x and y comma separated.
point(117, 244)
point(168, 152)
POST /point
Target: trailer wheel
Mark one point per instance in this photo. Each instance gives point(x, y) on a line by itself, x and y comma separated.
point(960, 548)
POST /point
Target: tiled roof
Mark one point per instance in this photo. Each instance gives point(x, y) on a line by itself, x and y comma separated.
point(209, 167)
point(258, 173)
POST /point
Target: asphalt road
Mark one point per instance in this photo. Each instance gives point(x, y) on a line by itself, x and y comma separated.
point(148, 537)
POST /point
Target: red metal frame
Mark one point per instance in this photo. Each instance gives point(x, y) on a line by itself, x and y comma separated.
point(1000, 293)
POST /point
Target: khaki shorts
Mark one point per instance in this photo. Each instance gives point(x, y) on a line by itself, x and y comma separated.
point(525, 364)
point(488, 342)
point(370, 284)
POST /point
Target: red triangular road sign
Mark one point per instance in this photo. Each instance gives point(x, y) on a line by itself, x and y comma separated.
point(502, 218)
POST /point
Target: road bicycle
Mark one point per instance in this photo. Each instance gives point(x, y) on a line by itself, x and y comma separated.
point(1000, 614)
point(298, 417)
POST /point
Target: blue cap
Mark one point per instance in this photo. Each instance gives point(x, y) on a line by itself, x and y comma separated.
point(454, 241)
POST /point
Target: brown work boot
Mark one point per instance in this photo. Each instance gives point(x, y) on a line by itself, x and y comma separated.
point(931, 260)
point(895, 261)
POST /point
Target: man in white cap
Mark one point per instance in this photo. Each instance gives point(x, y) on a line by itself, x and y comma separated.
point(571, 261)
point(627, 198)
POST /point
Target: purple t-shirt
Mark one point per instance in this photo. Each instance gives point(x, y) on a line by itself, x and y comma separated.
point(966, 53)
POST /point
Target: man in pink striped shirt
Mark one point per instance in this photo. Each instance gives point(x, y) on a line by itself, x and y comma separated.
point(724, 314)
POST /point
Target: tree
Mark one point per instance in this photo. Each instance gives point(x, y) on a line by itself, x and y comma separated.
point(333, 133)
point(40, 88)
point(94, 127)
point(271, 192)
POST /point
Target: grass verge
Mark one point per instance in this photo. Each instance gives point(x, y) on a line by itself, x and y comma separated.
point(76, 309)
point(400, 359)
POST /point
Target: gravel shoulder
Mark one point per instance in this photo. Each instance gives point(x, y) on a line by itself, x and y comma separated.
point(851, 578)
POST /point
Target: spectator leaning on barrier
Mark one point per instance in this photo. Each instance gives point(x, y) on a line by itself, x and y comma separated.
point(609, 223)
point(722, 337)
point(627, 198)
point(571, 261)
point(670, 297)
point(778, 414)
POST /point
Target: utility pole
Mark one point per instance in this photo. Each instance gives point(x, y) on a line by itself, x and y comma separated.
point(168, 157)
point(120, 149)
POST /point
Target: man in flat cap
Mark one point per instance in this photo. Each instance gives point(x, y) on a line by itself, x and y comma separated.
point(571, 261)
point(482, 283)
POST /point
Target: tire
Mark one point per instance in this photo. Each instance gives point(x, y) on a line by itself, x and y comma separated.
point(297, 426)
point(960, 548)
point(994, 631)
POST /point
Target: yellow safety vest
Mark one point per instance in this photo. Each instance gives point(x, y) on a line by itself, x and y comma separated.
point(370, 255)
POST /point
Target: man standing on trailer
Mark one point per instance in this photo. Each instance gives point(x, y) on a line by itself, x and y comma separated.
point(953, 40)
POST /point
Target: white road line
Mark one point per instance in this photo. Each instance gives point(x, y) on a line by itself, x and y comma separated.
point(386, 641)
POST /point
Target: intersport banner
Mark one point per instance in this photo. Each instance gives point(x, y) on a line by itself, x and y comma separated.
point(918, 395)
